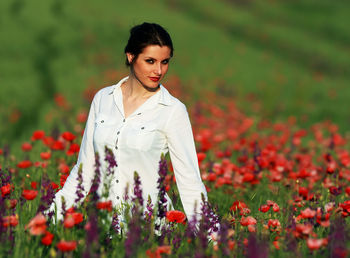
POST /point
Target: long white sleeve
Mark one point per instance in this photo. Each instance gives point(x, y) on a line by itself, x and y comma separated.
point(184, 160)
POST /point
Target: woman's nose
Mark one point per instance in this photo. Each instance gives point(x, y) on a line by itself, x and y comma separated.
point(158, 69)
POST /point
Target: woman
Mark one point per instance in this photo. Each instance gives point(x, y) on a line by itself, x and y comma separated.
point(139, 120)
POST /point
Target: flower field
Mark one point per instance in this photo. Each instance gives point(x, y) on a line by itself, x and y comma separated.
point(275, 190)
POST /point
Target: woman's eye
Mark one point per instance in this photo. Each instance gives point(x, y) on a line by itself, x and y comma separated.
point(150, 61)
point(165, 61)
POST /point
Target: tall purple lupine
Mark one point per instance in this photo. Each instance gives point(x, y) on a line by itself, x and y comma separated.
point(223, 237)
point(97, 179)
point(115, 223)
point(63, 202)
point(92, 230)
point(110, 159)
point(47, 196)
point(80, 188)
point(133, 235)
point(161, 206)
point(256, 248)
point(149, 210)
point(137, 190)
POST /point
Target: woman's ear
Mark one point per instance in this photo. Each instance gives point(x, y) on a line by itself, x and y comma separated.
point(130, 57)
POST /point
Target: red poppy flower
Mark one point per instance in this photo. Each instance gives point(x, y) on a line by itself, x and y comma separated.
point(29, 194)
point(48, 141)
point(1, 151)
point(307, 213)
point(66, 246)
point(246, 221)
point(10, 221)
point(37, 135)
point(104, 205)
point(176, 216)
point(81, 117)
point(57, 145)
point(13, 203)
point(201, 156)
point(26, 146)
point(72, 218)
point(6, 189)
point(25, 164)
point(54, 185)
point(347, 190)
point(63, 179)
point(238, 205)
point(264, 208)
point(315, 244)
point(34, 185)
point(68, 136)
point(68, 222)
point(47, 238)
point(335, 190)
point(45, 155)
point(273, 224)
point(165, 249)
point(37, 225)
point(63, 168)
point(73, 148)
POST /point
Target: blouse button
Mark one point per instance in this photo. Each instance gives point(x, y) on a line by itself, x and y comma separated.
point(102, 121)
point(123, 120)
point(142, 127)
point(138, 114)
point(116, 147)
point(117, 181)
point(118, 132)
point(118, 197)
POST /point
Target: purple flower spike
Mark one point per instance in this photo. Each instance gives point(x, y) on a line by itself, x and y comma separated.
point(163, 169)
point(137, 190)
point(110, 158)
point(80, 188)
point(97, 180)
point(47, 196)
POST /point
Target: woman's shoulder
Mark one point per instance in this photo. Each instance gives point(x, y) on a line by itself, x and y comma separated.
point(167, 99)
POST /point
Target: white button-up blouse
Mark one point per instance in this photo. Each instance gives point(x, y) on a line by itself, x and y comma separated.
point(159, 125)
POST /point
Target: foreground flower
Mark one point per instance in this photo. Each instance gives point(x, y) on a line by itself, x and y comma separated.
point(29, 194)
point(47, 238)
point(66, 246)
point(6, 189)
point(37, 225)
point(246, 221)
point(176, 216)
point(165, 249)
point(10, 221)
point(307, 213)
point(314, 244)
point(238, 205)
point(104, 205)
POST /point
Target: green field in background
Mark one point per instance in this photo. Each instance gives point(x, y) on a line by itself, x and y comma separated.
point(290, 57)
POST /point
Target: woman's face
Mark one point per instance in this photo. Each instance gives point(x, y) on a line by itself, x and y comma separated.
point(151, 65)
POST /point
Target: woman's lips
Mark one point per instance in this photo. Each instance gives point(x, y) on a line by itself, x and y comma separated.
point(155, 79)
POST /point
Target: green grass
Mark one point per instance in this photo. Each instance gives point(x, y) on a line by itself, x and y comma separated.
point(292, 57)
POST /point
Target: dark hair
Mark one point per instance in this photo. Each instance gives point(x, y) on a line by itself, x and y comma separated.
point(144, 35)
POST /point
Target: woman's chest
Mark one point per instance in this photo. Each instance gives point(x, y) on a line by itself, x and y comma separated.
point(143, 131)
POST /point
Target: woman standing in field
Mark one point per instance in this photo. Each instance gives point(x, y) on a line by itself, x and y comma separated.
point(139, 120)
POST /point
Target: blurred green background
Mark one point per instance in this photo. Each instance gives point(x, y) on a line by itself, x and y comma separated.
point(274, 58)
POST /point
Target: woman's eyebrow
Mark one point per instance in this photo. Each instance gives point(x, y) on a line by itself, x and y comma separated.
point(149, 57)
